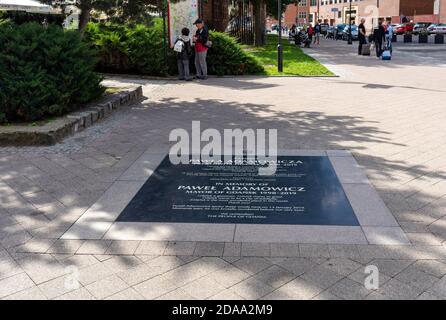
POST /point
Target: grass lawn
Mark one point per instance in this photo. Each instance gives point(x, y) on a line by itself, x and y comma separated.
point(295, 61)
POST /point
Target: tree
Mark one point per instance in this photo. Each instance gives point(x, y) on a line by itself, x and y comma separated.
point(120, 9)
point(271, 6)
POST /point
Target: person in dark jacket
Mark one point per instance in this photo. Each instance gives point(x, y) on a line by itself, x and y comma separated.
point(379, 36)
point(200, 40)
point(361, 35)
point(183, 48)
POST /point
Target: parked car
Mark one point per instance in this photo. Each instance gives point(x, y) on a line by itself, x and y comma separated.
point(346, 32)
point(403, 28)
point(421, 26)
point(339, 29)
point(437, 28)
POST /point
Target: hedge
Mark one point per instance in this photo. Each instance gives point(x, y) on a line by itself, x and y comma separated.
point(139, 49)
point(44, 72)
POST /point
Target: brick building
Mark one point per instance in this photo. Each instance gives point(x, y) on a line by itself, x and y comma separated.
point(298, 15)
point(337, 11)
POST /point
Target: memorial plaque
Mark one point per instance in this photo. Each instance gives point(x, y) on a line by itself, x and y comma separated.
point(304, 190)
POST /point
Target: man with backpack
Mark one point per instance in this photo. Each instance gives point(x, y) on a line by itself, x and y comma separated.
point(202, 44)
point(183, 48)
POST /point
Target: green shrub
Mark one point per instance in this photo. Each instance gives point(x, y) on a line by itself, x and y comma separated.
point(44, 72)
point(139, 49)
point(227, 57)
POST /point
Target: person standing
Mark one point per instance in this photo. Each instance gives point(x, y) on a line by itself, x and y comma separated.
point(361, 36)
point(317, 33)
point(183, 48)
point(310, 32)
point(379, 36)
point(389, 35)
point(201, 39)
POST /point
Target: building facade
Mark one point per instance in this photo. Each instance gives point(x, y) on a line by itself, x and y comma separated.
point(297, 14)
point(396, 11)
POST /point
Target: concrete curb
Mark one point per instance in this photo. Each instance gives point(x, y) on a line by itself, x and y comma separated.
point(55, 131)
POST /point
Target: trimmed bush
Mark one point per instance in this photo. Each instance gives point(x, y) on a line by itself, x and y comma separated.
point(226, 57)
point(44, 72)
point(139, 49)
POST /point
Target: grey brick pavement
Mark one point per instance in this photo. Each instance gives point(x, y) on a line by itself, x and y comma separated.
point(388, 115)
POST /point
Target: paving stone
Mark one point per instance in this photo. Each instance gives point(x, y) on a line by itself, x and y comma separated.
point(41, 268)
point(32, 293)
point(203, 288)
point(94, 247)
point(299, 289)
point(15, 284)
point(435, 268)
point(439, 289)
point(59, 286)
point(210, 249)
point(424, 239)
point(322, 277)
point(122, 247)
point(8, 268)
point(155, 287)
point(78, 261)
point(139, 274)
point(102, 257)
point(229, 276)
point(390, 267)
point(325, 295)
point(121, 263)
point(36, 245)
point(65, 246)
point(416, 278)
point(151, 248)
point(94, 273)
point(180, 248)
point(428, 296)
point(178, 294)
point(127, 294)
point(226, 295)
point(343, 251)
point(397, 290)
point(232, 249)
point(79, 294)
point(106, 287)
point(297, 266)
point(275, 276)
point(15, 239)
point(314, 251)
point(349, 290)
point(251, 249)
point(251, 289)
point(284, 250)
point(341, 266)
point(252, 265)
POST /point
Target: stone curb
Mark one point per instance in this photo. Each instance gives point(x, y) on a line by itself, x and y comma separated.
point(57, 130)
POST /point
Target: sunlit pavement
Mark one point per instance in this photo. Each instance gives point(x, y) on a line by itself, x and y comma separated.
point(390, 115)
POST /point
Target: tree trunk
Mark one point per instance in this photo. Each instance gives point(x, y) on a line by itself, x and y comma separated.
point(84, 18)
point(259, 22)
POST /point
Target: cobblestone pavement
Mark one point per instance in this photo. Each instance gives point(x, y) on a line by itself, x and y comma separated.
point(391, 115)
